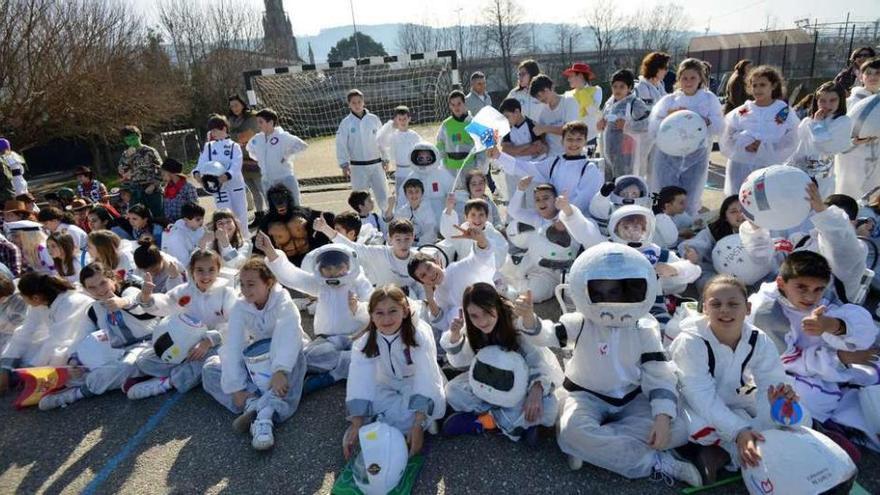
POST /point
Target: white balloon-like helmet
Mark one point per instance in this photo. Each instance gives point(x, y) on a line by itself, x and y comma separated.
point(632, 211)
point(210, 174)
point(176, 335)
point(613, 285)
point(380, 464)
point(499, 377)
point(681, 133)
point(333, 257)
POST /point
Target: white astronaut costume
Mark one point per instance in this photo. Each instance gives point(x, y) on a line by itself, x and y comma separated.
point(230, 195)
point(235, 257)
point(578, 176)
point(858, 167)
point(478, 266)
point(833, 236)
point(401, 381)
point(380, 265)
point(357, 149)
point(774, 125)
point(211, 307)
point(47, 334)
point(334, 323)
point(423, 218)
point(622, 148)
point(226, 373)
point(16, 165)
point(819, 375)
point(459, 248)
point(180, 241)
point(542, 367)
point(820, 141)
point(688, 172)
point(618, 378)
point(603, 204)
point(549, 256)
point(434, 177)
point(398, 145)
point(274, 153)
point(724, 389)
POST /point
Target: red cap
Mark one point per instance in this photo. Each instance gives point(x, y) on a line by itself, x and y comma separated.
point(579, 68)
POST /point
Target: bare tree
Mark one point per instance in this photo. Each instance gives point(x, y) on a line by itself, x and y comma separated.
point(504, 32)
point(419, 38)
point(662, 28)
point(80, 69)
point(566, 37)
point(607, 26)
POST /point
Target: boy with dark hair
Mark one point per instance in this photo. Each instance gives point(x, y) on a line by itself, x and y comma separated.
point(416, 210)
point(454, 142)
point(397, 141)
point(478, 96)
point(623, 123)
point(178, 190)
point(357, 148)
point(362, 203)
point(348, 223)
point(522, 139)
point(825, 344)
point(273, 149)
point(476, 215)
point(570, 172)
point(182, 237)
point(139, 168)
point(558, 110)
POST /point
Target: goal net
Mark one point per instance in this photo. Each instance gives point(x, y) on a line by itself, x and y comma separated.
point(310, 99)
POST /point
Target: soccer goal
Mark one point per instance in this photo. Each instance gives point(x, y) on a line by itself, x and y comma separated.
point(310, 98)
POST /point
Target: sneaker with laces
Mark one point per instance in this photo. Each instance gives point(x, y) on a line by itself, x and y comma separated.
point(59, 399)
point(668, 469)
point(261, 431)
point(149, 388)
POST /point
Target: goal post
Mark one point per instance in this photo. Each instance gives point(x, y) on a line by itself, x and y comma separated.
point(310, 98)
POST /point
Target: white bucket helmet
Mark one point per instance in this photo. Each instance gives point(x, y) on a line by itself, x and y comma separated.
point(774, 197)
point(628, 212)
point(175, 336)
point(499, 377)
point(682, 133)
point(210, 174)
point(729, 256)
point(380, 464)
point(258, 361)
point(339, 262)
point(94, 350)
point(613, 285)
point(798, 461)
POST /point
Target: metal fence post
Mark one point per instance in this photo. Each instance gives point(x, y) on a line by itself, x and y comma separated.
point(813, 58)
point(784, 53)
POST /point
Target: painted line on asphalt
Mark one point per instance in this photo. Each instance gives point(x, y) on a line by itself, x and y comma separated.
point(131, 445)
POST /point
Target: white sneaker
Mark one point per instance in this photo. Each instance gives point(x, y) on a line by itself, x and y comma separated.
point(312, 307)
point(574, 463)
point(667, 468)
point(434, 427)
point(59, 399)
point(261, 431)
point(148, 388)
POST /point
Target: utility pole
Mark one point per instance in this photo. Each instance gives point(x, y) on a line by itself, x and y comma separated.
point(460, 35)
point(357, 46)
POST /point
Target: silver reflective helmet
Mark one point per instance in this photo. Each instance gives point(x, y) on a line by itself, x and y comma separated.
point(613, 285)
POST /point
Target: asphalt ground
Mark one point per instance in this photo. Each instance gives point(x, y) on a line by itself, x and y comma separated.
point(185, 443)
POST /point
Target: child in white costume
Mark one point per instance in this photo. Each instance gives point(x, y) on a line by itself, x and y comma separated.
point(698, 249)
point(858, 167)
point(436, 181)
point(729, 374)
point(357, 149)
point(417, 210)
point(822, 135)
point(688, 172)
point(759, 133)
point(230, 192)
point(265, 311)
point(274, 148)
point(394, 375)
point(397, 141)
point(487, 321)
point(623, 125)
point(183, 236)
point(118, 326)
point(818, 336)
point(333, 275)
point(207, 299)
point(621, 408)
point(476, 214)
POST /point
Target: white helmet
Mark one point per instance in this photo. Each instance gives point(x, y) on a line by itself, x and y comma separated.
point(631, 212)
point(682, 133)
point(866, 117)
point(419, 163)
point(613, 285)
point(869, 400)
point(499, 377)
point(210, 174)
point(729, 256)
point(258, 361)
point(336, 264)
point(774, 197)
point(380, 464)
point(95, 350)
point(624, 182)
point(175, 336)
point(798, 461)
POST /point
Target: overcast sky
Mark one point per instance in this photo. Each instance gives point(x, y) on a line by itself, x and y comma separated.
point(718, 15)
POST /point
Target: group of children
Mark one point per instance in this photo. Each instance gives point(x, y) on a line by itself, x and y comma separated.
point(423, 298)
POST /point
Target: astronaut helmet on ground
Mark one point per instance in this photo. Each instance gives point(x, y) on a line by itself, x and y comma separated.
point(210, 175)
point(175, 336)
point(799, 460)
point(499, 377)
point(632, 225)
point(335, 264)
point(613, 285)
point(424, 155)
point(381, 461)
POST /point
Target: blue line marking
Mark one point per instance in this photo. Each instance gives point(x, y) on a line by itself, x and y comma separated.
point(131, 445)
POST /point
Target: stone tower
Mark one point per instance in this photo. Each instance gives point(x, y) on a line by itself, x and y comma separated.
point(278, 33)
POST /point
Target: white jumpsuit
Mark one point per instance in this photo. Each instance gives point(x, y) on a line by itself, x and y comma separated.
point(357, 149)
point(232, 195)
point(858, 167)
